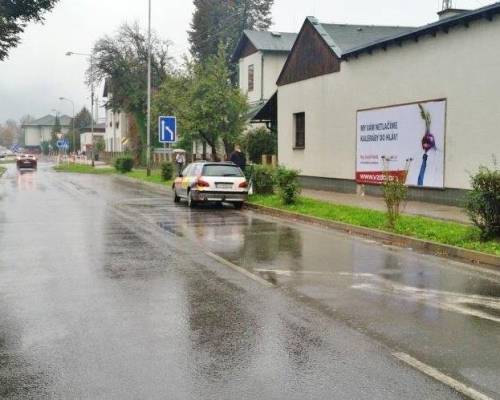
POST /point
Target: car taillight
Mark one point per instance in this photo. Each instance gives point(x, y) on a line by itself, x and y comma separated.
point(202, 183)
point(243, 184)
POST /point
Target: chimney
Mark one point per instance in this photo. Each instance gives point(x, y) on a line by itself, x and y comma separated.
point(449, 11)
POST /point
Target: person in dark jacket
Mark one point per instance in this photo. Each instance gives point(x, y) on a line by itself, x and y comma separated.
point(238, 157)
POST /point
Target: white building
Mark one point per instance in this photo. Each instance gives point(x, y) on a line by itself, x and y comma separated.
point(40, 130)
point(261, 56)
point(349, 97)
point(88, 138)
point(117, 126)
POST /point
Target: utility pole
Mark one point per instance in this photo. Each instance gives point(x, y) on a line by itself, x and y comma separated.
point(148, 153)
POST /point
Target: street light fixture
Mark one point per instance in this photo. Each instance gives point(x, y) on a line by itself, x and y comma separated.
point(72, 120)
point(72, 53)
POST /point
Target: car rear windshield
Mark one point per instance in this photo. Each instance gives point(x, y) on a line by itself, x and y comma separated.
point(222, 170)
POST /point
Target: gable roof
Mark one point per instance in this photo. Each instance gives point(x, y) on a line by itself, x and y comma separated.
point(50, 120)
point(265, 41)
point(443, 25)
point(342, 38)
point(347, 37)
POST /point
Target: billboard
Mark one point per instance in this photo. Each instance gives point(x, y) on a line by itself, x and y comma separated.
point(406, 137)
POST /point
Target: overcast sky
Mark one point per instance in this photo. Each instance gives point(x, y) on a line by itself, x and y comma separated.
point(37, 73)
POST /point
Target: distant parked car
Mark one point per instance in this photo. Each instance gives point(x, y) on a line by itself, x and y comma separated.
point(28, 161)
point(211, 182)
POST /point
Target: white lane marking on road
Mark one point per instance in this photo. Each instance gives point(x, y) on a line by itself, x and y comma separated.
point(439, 376)
point(485, 307)
point(239, 269)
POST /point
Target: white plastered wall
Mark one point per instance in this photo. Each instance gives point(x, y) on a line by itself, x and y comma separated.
point(462, 66)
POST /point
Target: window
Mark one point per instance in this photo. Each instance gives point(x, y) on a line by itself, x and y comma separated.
point(251, 74)
point(117, 124)
point(222, 170)
point(300, 130)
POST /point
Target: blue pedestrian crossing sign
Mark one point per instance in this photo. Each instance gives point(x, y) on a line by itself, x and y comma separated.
point(168, 129)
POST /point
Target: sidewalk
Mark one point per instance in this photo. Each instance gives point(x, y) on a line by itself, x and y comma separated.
point(437, 211)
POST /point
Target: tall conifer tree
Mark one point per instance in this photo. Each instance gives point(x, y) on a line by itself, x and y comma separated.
point(222, 22)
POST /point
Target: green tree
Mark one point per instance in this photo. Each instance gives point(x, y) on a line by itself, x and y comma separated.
point(83, 119)
point(9, 133)
point(173, 98)
point(223, 21)
point(217, 109)
point(260, 141)
point(122, 61)
point(14, 15)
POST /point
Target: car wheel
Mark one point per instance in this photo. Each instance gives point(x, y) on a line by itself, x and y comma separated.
point(191, 202)
point(238, 205)
point(176, 198)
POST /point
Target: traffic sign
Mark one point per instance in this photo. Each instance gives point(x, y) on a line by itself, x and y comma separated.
point(62, 144)
point(167, 129)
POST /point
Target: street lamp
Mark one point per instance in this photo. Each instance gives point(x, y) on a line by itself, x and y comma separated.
point(72, 120)
point(148, 153)
point(72, 53)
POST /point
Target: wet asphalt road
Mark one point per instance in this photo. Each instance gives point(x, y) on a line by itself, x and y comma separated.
point(107, 292)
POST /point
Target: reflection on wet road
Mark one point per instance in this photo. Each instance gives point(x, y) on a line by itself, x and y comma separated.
point(106, 291)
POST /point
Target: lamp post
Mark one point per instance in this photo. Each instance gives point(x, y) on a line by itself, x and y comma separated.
point(71, 53)
point(148, 153)
point(72, 120)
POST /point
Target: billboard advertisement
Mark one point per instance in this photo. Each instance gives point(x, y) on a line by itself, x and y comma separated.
point(406, 141)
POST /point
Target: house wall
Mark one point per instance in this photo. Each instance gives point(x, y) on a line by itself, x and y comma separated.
point(35, 135)
point(461, 66)
point(273, 64)
point(116, 130)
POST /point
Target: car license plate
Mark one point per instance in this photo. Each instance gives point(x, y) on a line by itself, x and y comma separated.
point(224, 185)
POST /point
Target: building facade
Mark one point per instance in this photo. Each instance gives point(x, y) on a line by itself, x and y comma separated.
point(116, 126)
point(368, 82)
point(40, 130)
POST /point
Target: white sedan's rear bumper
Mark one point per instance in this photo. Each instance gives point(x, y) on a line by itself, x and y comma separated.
point(219, 196)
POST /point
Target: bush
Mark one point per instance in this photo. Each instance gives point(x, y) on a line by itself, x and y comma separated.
point(262, 179)
point(167, 170)
point(124, 164)
point(483, 202)
point(260, 141)
point(395, 193)
point(288, 185)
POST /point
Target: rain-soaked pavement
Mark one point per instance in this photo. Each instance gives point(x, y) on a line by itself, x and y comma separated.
point(107, 291)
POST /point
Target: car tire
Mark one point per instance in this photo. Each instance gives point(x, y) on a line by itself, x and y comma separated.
point(191, 202)
point(177, 199)
point(238, 206)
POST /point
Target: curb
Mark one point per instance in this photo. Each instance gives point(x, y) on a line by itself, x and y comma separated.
point(437, 249)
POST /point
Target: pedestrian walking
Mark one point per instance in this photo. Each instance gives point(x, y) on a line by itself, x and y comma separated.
point(180, 160)
point(238, 157)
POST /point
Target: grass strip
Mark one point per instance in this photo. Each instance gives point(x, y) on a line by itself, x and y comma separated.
point(2, 171)
point(84, 169)
point(139, 174)
point(444, 232)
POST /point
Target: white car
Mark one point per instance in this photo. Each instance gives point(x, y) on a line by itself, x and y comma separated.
point(211, 182)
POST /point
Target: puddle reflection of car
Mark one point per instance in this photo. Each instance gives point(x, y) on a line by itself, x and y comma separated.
point(27, 161)
point(211, 182)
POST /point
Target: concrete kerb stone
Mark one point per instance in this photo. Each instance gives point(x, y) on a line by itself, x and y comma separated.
point(438, 249)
